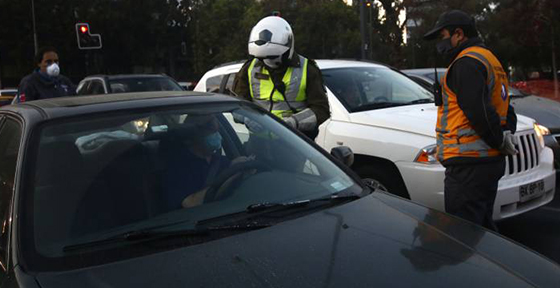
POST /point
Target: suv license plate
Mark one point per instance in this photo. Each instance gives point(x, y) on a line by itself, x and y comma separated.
point(531, 190)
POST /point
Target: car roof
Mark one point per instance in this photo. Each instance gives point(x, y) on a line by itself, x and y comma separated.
point(127, 76)
point(322, 63)
point(74, 106)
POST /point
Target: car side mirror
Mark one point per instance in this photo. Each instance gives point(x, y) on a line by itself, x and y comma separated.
point(344, 154)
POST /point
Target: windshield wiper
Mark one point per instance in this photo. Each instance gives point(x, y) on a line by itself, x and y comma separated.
point(421, 101)
point(378, 105)
point(281, 205)
point(151, 234)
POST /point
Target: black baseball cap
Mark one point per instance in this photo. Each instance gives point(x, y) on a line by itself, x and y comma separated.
point(451, 18)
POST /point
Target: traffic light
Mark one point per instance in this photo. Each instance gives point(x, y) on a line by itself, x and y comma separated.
point(368, 3)
point(86, 40)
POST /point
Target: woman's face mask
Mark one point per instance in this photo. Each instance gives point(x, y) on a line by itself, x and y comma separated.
point(53, 70)
point(213, 141)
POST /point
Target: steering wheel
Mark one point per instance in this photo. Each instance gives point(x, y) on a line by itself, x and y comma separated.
point(381, 99)
point(233, 172)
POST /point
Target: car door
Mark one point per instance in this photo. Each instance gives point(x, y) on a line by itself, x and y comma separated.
point(10, 138)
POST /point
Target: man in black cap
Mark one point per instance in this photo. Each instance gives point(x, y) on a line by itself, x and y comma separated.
point(475, 122)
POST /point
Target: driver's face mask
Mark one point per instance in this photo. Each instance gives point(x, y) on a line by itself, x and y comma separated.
point(214, 141)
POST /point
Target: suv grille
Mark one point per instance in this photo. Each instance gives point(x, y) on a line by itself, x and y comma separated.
point(528, 156)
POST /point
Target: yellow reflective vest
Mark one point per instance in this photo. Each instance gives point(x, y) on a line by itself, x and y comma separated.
point(455, 136)
point(263, 91)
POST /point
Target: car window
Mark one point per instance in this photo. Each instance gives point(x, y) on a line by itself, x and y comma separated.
point(10, 137)
point(361, 88)
point(143, 169)
point(213, 83)
point(143, 84)
point(83, 88)
point(96, 87)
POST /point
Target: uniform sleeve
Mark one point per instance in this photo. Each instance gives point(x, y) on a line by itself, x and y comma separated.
point(511, 123)
point(316, 93)
point(241, 82)
point(468, 82)
point(26, 88)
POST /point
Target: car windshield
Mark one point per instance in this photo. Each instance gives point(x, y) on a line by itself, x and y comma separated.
point(144, 84)
point(366, 88)
point(105, 175)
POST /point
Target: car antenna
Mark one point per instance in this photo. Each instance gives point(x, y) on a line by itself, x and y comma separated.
point(438, 97)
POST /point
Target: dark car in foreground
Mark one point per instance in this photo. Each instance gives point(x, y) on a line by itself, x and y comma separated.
point(545, 111)
point(89, 190)
point(126, 83)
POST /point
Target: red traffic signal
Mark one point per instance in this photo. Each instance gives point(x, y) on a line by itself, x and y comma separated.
point(86, 40)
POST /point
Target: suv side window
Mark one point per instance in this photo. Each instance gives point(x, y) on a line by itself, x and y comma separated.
point(10, 137)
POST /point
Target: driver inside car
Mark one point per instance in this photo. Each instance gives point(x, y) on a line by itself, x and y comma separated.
point(194, 160)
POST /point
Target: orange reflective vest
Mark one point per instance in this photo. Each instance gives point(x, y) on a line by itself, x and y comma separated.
point(455, 136)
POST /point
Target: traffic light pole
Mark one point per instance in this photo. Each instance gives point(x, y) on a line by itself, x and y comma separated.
point(362, 29)
point(34, 29)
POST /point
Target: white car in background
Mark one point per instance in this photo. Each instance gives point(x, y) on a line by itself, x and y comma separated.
point(389, 122)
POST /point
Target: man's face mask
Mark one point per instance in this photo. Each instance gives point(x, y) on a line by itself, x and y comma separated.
point(444, 46)
point(53, 70)
point(214, 141)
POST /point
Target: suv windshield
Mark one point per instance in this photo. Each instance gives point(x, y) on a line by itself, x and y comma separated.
point(143, 84)
point(131, 171)
point(366, 88)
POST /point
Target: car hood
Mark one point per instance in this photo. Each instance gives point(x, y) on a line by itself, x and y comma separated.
point(543, 110)
point(419, 119)
point(377, 241)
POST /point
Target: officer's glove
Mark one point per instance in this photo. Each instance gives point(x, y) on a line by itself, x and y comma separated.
point(508, 145)
point(291, 121)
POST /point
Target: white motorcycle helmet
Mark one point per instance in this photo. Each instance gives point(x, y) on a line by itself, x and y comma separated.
point(272, 41)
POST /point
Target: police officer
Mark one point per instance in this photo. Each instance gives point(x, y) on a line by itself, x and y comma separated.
point(45, 81)
point(281, 81)
point(475, 122)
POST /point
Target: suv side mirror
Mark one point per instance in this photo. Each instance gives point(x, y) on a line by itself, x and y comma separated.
point(344, 154)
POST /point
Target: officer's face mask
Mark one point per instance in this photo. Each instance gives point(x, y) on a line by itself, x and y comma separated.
point(444, 46)
point(273, 63)
point(213, 141)
point(53, 70)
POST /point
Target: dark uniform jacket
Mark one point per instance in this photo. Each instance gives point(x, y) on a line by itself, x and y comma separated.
point(316, 95)
point(37, 86)
point(467, 79)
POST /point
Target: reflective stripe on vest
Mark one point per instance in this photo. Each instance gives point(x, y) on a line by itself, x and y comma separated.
point(295, 81)
point(455, 136)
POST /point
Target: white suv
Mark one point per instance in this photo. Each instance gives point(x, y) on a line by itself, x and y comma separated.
point(389, 122)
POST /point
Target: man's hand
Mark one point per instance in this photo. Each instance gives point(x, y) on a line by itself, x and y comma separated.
point(242, 159)
point(508, 144)
point(291, 121)
point(194, 199)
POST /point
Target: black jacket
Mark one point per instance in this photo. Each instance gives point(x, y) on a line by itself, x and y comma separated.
point(36, 86)
point(467, 79)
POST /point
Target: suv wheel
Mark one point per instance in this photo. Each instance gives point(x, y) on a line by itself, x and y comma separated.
point(383, 178)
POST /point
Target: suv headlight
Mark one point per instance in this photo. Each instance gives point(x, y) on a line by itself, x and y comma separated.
point(427, 155)
point(541, 131)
